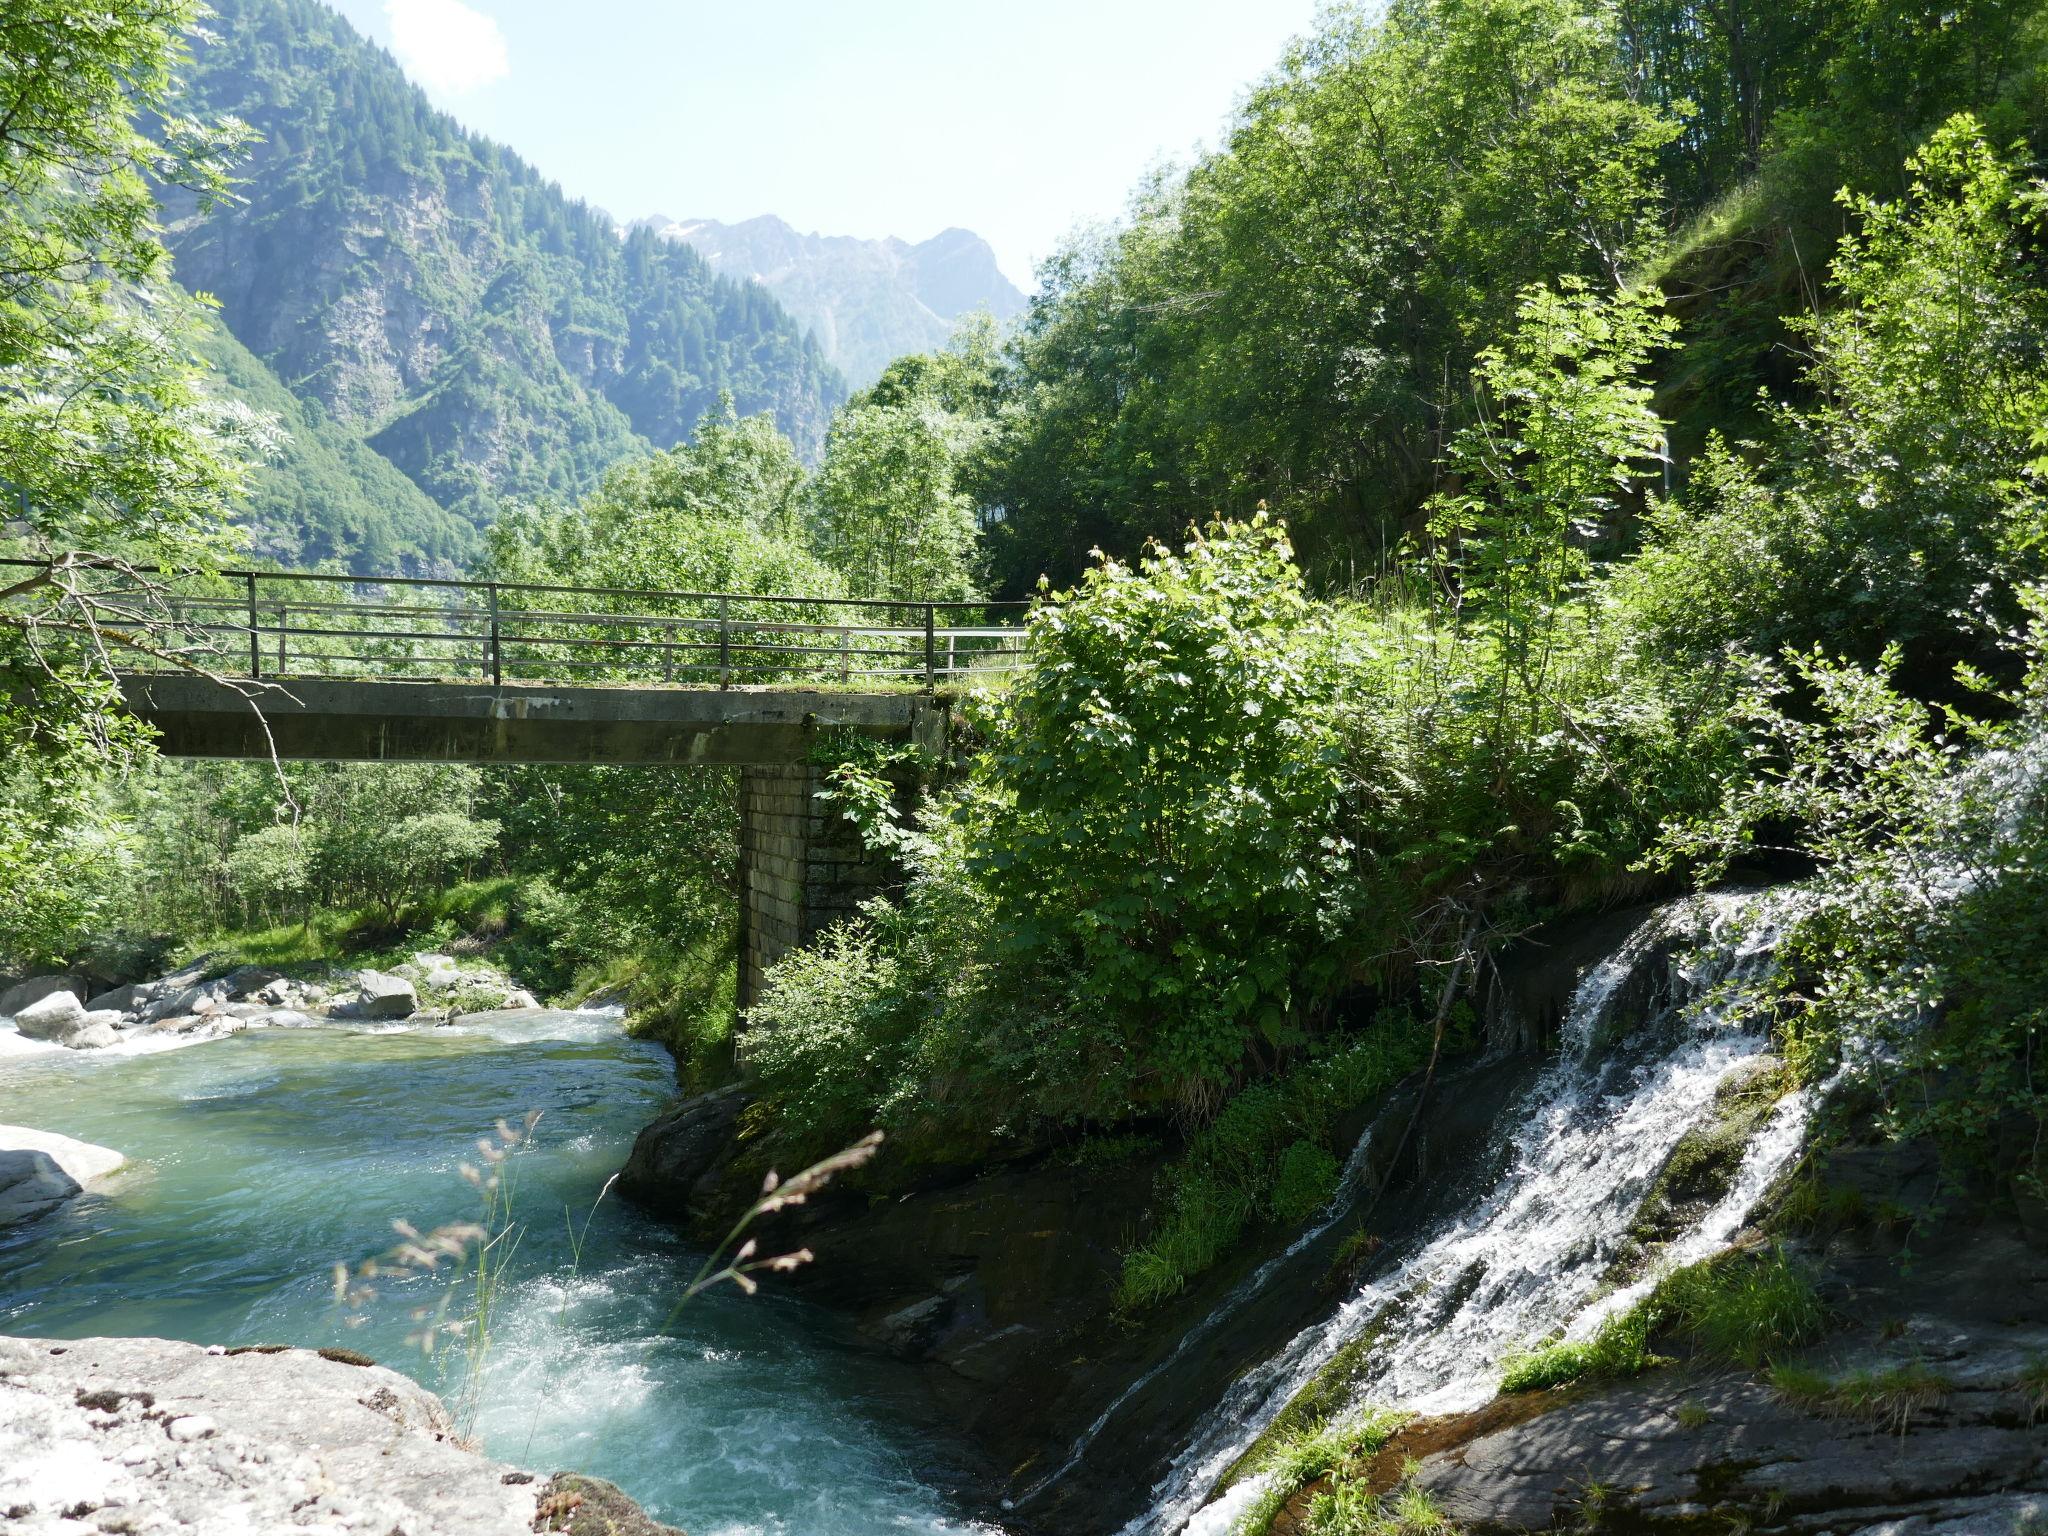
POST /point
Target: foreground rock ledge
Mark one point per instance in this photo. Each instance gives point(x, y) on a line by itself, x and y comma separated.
point(151, 1436)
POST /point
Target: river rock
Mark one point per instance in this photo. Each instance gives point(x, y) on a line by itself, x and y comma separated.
point(40, 1170)
point(160, 1436)
point(382, 996)
point(520, 998)
point(53, 1016)
point(245, 981)
point(177, 1001)
point(128, 999)
point(93, 1036)
point(34, 990)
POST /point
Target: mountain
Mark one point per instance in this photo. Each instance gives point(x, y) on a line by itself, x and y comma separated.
point(867, 301)
point(442, 306)
point(326, 495)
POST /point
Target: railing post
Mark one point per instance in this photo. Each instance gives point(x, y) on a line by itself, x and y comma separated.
point(724, 641)
point(931, 649)
point(255, 639)
point(845, 654)
point(497, 650)
point(283, 616)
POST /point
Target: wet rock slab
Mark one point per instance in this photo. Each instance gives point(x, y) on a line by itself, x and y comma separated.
point(154, 1436)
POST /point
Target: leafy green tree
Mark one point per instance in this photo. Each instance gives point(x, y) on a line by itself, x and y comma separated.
point(890, 515)
point(111, 449)
point(1905, 498)
point(386, 834)
point(1565, 433)
point(1292, 319)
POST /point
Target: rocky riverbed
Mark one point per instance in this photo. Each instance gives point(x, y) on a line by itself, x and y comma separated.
point(152, 1436)
point(203, 1001)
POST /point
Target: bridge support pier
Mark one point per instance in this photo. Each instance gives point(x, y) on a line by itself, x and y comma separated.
point(802, 868)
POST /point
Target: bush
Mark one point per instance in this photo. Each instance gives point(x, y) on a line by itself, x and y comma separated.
point(1168, 786)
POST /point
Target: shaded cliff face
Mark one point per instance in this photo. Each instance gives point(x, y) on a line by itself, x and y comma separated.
point(438, 299)
point(868, 302)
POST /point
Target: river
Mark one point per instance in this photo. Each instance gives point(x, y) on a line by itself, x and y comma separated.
point(258, 1162)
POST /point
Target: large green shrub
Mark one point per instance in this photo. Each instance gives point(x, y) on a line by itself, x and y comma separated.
point(1171, 790)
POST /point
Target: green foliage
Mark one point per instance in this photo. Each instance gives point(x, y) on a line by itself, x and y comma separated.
point(1543, 474)
point(1269, 1154)
point(1619, 1349)
point(1905, 502)
point(1292, 320)
point(1919, 945)
point(1170, 785)
point(1304, 1181)
point(1307, 1455)
point(110, 446)
point(889, 514)
point(1350, 1508)
point(1892, 1396)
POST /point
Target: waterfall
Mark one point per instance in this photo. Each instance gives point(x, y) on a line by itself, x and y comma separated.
point(1578, 1151)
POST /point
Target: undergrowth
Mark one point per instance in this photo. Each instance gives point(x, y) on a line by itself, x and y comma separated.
point(1269, 1156)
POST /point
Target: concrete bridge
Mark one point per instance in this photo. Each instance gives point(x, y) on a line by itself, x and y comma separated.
point(310, 667)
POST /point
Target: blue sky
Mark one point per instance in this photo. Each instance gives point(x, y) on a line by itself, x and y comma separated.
point(858, 117)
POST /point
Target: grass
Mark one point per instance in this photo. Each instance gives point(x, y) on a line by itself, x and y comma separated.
point(364, 937)
point(2033, 1381)
point(1268, 1156)
point(1297, 1459)
point(1619, 1350)
point(1739, 1308)
point(1349, 1507)
point(1894, 1396)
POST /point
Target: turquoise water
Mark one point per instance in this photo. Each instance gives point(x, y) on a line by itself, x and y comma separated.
point(258, 1162)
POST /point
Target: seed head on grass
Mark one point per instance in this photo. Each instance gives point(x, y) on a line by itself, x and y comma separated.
point(777, 1194)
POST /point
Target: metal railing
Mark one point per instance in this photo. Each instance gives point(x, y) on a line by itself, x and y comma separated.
point(299, 624)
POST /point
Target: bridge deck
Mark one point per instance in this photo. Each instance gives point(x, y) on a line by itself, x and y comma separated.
point(373, 720)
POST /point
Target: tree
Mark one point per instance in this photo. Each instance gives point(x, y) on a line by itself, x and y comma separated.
point(111, 450)
point(889, 513)
point(1565, 432)
point(1166, 787)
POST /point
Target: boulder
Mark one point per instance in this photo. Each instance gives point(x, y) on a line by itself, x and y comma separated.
point(53, 1016)
point(162, 1436)
point(128, 999)
point(276, 993)
point(174, 1002)
point(384, 997)
point(247, 980)
point(34, 990)
point(520, 999)
point(40, 1170)
point(92, 1037)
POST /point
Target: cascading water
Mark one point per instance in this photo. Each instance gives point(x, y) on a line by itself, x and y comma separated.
point(1576, 1156)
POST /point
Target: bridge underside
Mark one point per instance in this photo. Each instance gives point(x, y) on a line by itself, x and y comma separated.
point(801, 866)
point(345, 720)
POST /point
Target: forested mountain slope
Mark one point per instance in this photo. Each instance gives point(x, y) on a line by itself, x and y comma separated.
point(444, 304)
point(868, 302)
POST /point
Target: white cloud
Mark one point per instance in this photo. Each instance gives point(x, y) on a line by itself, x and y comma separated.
point(449, 47)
